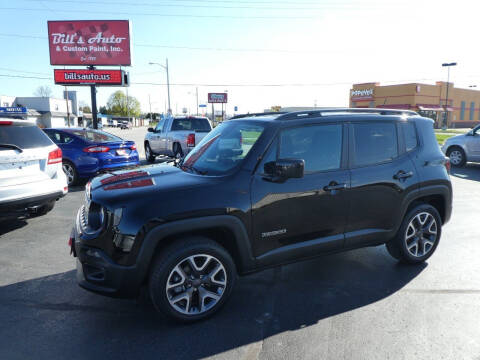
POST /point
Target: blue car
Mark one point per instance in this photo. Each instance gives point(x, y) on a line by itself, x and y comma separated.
point(87, 152)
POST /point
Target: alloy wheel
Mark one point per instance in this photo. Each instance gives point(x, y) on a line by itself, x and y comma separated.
point(196, 284)
point(421, 234)
point(147, 151)
point(69, 172)
point(456, 157)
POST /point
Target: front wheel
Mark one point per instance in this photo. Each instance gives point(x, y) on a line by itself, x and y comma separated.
point(418, 236)
point(192, 279)
point(149, 153)
point(457, 156)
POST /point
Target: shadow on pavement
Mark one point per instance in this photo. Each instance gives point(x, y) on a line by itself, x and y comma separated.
point(51, 317)
point(470, 171)
point(8, 225)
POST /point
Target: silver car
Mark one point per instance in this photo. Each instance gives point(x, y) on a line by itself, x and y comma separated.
point(31, 175)
point(463, 148)
point(175, 137)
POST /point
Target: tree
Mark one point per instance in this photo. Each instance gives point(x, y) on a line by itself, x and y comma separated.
point(86, 109)
point(117, 105)
point(43, 91)
point(103, 110)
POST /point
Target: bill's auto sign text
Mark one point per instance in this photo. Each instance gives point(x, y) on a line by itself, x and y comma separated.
point(93, 42)
point(89, 77)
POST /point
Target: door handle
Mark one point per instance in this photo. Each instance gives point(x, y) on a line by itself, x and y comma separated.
point(402, 175)
point(334, 186)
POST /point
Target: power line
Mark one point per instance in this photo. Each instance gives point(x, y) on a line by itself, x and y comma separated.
point(214, 6)
point(26, 77)
point(21, 71)
point(181, 47)
point(170, 15)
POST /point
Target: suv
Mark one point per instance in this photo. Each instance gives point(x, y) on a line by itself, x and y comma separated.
point(175, 137)
point(259, 192)
point(31, 176)
point(463, 148)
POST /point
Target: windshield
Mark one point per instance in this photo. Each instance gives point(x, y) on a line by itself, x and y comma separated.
point(194, 124)
point(223, 149)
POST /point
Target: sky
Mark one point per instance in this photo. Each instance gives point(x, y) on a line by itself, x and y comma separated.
point(264, 53)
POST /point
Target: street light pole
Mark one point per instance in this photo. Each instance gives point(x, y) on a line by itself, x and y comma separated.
point(445, 119)
point(168, 82)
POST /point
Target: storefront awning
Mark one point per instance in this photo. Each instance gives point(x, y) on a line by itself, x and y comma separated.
point(426, 107)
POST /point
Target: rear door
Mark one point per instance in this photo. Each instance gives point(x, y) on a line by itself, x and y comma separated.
point(24, 153)
point(306, 216)
point(383, 177)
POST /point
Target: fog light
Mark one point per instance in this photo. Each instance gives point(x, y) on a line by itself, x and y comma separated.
point(124, 242)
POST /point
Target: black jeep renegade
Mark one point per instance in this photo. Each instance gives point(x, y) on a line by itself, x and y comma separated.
point(261, 191)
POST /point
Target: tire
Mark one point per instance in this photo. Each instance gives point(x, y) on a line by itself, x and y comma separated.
point(457, 156)
point(44, 209)
point(150, 156)
point(70, 171)
point(197, 298)
point(177, 151)
point(418, 236)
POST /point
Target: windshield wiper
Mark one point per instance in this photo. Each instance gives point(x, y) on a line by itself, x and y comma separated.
point(193, 169)
point(11, 146)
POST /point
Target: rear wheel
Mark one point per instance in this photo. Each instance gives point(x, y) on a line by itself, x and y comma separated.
point(418, 236)
point(149, 153)
point(70, 171)
point(192, 279)
point(177, 152)
point(457, 156)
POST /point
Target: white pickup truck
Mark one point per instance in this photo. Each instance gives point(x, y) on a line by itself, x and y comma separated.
point(175, 136)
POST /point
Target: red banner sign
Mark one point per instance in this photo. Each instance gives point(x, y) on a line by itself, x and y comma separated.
point(90, 42)
point(88, 77)
point(217, 98)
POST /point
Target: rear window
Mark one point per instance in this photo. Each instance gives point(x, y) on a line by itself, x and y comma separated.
point(96, 136)
point(25, 137)
point(193, 124)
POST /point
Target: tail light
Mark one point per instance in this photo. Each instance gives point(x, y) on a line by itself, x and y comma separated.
point(96, 149)
point(133, 147)
point(55, 156)
point(191, 140)
point(6, 122)
point(448, 165)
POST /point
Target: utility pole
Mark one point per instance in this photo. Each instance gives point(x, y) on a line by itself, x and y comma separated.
point(196, 91)
point(68, 111)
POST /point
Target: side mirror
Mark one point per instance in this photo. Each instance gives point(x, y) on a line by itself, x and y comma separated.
point(283, 169)
point(150, 130)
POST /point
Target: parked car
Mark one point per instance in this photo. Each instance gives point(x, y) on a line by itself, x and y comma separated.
point(124, 125)
point(175, 137)
point(87, 152)
point(260, 192)
point(31, 176)
point(463, 148)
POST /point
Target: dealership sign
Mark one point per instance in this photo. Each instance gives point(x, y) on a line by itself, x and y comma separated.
point(217, 98)
point(89, 77)
point(90, 42)
point(13, 110)
point(364, 94)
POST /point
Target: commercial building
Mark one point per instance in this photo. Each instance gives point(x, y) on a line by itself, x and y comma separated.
point(45, 111)
point(462, 109)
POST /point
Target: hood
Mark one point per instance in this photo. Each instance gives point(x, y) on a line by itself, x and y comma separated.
point(149, 180)
point(456, 137)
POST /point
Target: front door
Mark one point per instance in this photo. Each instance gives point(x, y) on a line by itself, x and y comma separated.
point(473, 145)
point(302, 217)
point(156, 137)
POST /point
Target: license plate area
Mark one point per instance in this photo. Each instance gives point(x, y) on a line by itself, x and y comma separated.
point(122, 152)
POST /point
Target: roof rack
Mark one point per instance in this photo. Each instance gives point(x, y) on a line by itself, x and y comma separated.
point(239, 116)
point(320, 112)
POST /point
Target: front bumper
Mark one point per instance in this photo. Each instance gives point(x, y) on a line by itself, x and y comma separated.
point(98, 273)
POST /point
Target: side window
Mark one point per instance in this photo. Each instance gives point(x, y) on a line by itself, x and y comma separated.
point(54, 136)
point(319, 145)
point(159, 127)
point(374, 143)
point(410, 136)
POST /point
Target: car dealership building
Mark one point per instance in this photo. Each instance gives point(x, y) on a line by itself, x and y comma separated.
point(463, 108)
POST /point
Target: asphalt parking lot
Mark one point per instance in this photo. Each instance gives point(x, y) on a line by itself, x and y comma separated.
point(356, 305)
